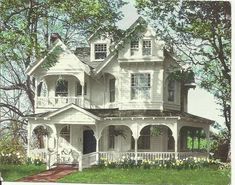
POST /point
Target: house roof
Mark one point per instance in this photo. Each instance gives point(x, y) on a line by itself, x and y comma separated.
point(50, 114)
point(127, 33)
point(116, 113)
point(57, 43)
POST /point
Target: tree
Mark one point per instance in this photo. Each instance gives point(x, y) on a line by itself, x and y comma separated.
point(200, 34)
point(25, 27)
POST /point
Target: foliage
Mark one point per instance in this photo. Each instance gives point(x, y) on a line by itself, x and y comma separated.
point(187, 163)
point(15, 172)
point(25, 30)
point(205, 176)
point(37, 161)
point(200, 34)
point(11, 152)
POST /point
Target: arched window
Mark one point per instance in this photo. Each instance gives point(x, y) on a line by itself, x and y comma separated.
point(65, 133)
point(171, 90)
point(61, 88)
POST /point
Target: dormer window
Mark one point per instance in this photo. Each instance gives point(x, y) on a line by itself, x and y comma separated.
point(171, 90)
point(100, 51)
point(134, 47)
point(147, 47)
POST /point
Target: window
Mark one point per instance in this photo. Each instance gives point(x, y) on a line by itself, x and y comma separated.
point(112, 90)
point(134, 47)
point(146, 47)
point(144, 139)
point(111, 140)
point(140, 86)
point(100, 51)
point(65, 133)
point(85, 88)
point(79, 89)
point(171, 90)
point(61, 88)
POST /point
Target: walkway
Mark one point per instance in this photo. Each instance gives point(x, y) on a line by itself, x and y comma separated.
point(51, 175)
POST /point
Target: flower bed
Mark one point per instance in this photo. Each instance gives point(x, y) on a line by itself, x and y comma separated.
point(187, 163)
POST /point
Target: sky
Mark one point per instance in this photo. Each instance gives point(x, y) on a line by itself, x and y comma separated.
point(200, 102)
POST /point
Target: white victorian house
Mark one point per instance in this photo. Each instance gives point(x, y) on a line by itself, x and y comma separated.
point(112, 99)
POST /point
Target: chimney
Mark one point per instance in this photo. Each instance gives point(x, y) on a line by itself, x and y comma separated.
point(54, 37)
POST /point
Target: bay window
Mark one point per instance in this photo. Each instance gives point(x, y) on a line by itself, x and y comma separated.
point(140, 86)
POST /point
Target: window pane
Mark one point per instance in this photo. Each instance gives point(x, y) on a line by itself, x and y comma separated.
point(140, 86)
point(146, 47)
point(112, 90)
point(134, 47)
point(100, 51)
point(79, 89)
point(171, 90)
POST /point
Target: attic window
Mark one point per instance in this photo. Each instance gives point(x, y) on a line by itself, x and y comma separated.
point(100, 51)
point(147, 47)
point(134, 47)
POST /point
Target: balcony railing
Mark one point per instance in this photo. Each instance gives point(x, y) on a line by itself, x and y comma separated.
point(56, 102)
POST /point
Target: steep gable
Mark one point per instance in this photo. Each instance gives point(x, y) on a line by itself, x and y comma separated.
point(66, 62)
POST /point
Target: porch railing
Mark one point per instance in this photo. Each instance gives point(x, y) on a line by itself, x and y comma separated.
point(114, 156)
point(45, 102)
point(89, 159)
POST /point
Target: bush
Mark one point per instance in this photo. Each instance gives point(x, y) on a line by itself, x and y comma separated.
point(12, 152)
point(187, 163)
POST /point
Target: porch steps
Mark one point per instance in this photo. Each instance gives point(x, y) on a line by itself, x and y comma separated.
point(51, 175)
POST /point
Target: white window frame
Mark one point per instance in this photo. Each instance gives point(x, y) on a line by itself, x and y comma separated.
point(139, 97)
point(100, 51)
point(146, 48)
point(172, 89)
point(134, 48)
point(112, 90)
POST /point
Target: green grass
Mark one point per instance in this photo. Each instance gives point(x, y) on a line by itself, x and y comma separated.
point(150, 176)
point(15, 172)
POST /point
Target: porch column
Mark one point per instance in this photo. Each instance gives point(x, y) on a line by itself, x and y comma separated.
point(176, 138)
point(208, 142)
point(97, 150)
point(136, 150)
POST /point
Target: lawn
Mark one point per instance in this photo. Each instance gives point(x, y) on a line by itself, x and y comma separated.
point(15, 172)
point(204, 176)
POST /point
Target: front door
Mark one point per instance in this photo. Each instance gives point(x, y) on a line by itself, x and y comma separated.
point(89, 142)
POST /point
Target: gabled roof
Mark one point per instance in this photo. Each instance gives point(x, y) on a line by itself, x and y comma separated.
point(127, 33)
point(50, 114)
point(57, 43)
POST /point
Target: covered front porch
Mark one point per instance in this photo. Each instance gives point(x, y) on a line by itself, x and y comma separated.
point(81, 137)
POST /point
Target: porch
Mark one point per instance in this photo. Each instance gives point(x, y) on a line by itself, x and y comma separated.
point(81, 137)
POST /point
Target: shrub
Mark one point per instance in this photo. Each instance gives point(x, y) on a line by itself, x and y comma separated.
point(12, 152)
point(187, 163)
